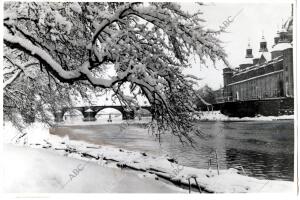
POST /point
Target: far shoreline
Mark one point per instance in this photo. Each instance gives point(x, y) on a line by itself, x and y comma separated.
point(205, 119)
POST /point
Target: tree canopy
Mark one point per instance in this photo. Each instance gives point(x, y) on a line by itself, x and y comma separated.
point(207, 95)
point(147, 44)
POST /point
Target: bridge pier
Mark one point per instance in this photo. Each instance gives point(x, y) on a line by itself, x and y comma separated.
point(89, 115)
point(58, 116)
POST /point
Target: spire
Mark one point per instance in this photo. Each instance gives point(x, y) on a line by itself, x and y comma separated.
point(277, 32)
point(263, 44)
point(249, 46)
point(263, 36)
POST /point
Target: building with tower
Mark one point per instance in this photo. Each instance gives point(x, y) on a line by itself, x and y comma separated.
point(264, 76)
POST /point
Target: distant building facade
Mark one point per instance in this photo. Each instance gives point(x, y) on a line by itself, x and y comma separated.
point(266, 74)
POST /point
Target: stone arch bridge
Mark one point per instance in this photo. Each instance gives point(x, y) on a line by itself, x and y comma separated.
point(89, 112)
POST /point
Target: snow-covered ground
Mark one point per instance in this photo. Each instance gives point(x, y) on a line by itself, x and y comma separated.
point(59, 161)
point(38, 170)
point(218, 116)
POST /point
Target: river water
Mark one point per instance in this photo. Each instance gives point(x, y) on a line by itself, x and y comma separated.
point(264, 149)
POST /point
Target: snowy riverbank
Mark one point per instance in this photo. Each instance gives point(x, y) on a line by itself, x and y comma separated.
point(146, 168)
point(46, 171)
point(218, 116)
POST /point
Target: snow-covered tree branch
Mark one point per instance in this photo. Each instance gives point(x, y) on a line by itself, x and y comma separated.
point(148, 46)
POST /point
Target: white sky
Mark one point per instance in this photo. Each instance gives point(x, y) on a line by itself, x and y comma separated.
point(253, 19)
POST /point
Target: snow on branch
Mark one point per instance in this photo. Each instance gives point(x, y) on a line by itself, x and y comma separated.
point(64, 74)
point(12, 78)
point(41, 54)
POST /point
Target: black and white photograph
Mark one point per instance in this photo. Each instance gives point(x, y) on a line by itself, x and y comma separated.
point(182, 97)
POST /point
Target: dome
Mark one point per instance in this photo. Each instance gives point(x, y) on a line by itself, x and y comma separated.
point(288, 25)
point(281, 46)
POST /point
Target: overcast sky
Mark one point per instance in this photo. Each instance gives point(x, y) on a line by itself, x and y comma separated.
point(252, 20)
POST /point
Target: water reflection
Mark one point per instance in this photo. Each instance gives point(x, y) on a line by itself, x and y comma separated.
point(267, 165)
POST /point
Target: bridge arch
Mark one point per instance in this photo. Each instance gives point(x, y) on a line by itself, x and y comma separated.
point(73, 114)
point(59, 114)
point(72, 109)
point(118, 108)
point(114, 114)
point(125, 114)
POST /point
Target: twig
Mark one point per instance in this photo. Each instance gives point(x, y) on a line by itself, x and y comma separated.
point(47, 142)
point(189, 180)
point(209, 163)
point(263, 186)
point(241, 167)
point(217, 162)
point(18, 139)
point(199, 188)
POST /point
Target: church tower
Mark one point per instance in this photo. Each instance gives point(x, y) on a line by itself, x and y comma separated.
point(248, 60)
